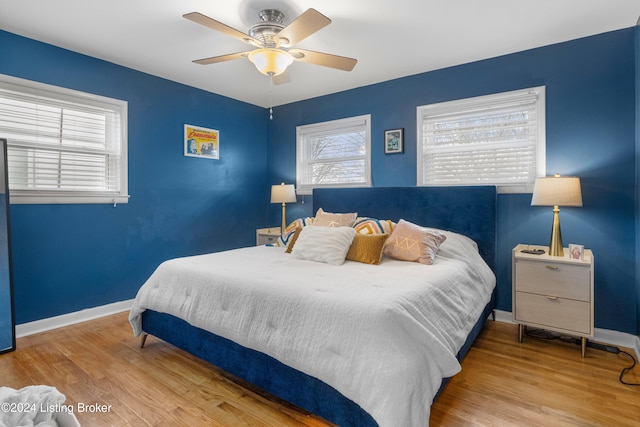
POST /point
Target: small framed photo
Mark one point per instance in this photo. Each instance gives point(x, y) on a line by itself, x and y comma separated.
point(201, 142)
point(576, 252)
point(393, 141)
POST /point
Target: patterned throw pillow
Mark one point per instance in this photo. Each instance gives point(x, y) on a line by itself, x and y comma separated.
point(285, 237)
point(328, 219)
point(411, 242)
point(365, 225)
point(292, 239)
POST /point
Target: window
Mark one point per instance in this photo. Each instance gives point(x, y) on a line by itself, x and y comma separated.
point(64, 146)
point(334, 154)
point(489, 140)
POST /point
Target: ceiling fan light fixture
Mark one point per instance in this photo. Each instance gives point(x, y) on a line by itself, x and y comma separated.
point(270, 61)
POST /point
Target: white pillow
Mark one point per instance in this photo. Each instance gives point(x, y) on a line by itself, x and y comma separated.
point(324, 244)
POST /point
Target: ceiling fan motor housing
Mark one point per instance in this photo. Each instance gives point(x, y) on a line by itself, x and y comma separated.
point(270, 26)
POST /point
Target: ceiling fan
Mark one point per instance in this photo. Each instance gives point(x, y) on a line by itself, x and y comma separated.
point(274, 43)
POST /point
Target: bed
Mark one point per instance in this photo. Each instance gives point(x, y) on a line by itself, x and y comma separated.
point(378, 364)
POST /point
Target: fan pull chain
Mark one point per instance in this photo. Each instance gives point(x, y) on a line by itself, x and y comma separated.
point(271, 97)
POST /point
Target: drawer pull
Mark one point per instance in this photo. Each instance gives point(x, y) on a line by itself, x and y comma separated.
point(549, 297)
point(552, 267)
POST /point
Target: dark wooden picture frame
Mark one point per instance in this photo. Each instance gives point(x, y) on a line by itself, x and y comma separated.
point(394, 141)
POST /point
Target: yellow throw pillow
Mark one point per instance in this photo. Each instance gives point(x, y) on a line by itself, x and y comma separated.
point(367, 248)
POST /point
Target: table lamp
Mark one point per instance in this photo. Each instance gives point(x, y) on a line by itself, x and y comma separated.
point(556, 191)
point(283, 193)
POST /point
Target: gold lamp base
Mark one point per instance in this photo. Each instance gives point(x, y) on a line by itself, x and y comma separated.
point(284, 217)
point(555, 244)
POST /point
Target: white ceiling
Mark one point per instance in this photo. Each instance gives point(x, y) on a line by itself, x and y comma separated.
point(390, 38)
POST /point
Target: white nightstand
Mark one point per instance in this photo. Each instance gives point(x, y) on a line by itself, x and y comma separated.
point(267, 235)
point(553, 293)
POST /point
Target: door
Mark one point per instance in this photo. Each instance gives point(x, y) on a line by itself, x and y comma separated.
point(7, 317)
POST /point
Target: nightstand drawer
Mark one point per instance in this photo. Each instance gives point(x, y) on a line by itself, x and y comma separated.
point(570, 315)
point(267, 239)
point(554, 279)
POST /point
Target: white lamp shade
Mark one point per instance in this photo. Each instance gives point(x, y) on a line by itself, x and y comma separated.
point(557, 191)
point(269, 61)
point(283, 193)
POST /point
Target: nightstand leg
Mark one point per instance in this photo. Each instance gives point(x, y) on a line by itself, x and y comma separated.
point(584, 346)
point(520, 332)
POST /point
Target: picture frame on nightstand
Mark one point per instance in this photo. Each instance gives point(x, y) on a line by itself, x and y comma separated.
point(576, 252)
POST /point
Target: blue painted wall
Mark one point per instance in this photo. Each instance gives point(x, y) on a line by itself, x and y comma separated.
point(70, 257)
point(637, 56)
point(591, 133)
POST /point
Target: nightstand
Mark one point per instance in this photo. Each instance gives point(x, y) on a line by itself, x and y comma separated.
point(553, 293)
point(267, 235)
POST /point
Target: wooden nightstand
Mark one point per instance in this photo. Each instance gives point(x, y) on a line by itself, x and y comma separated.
point(267, 235)
point(553, 293)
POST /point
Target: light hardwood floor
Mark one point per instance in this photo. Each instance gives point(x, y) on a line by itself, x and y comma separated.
point(502, 383)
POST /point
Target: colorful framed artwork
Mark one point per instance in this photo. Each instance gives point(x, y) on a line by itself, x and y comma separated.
point(201, 142)
point(393, 141)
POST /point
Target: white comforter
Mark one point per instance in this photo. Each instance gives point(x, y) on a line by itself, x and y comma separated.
point(382, 335)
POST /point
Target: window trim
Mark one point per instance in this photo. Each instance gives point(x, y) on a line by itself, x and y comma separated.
point(304, 130)
point(484, 102)
point(39, 196)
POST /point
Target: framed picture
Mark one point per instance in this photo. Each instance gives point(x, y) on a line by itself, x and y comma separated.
point(201, 142)
point(393, 141)
point(576, 252)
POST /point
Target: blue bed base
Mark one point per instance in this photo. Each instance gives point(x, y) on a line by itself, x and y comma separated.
point(466, 210)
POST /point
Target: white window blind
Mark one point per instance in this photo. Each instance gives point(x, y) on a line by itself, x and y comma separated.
point(63, 146)
point(490, 140)
point(334, 154)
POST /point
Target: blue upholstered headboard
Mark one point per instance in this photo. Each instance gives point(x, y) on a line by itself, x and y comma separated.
point(466, 210)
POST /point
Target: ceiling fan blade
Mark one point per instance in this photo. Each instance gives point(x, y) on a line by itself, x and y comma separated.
point(201, 19)
point(282, 78)
point(302, 27)
point(324, 59)
point(221, 58)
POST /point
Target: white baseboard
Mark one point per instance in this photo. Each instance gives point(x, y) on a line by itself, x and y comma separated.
point(604, 336)
point(30, 328)
point(504, 316)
